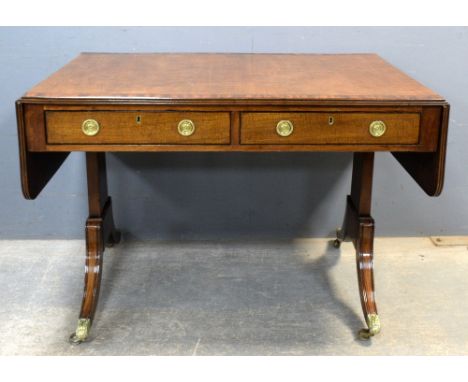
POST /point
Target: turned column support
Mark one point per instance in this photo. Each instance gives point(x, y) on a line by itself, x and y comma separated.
point(99, 232)
point(358, 226)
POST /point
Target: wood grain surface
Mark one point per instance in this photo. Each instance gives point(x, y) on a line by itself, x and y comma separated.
point(178, 76)
point(152, 127)
point(236, 102)
point(316, 128)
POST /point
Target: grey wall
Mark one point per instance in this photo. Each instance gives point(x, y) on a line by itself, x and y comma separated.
point(203, 196)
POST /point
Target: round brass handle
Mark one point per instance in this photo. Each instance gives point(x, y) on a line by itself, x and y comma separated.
point(377, 128)
point(90, 127)
point(186, 127)
point(284, 128)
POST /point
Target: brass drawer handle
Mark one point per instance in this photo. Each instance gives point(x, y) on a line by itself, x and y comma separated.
point(284, 128)
point(377, 128)
point(90, 127)
point(186, 127)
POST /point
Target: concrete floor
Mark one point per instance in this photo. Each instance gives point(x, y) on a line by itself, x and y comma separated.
point(234, 298)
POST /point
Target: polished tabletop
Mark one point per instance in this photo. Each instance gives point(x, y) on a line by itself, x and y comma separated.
point(231, 76)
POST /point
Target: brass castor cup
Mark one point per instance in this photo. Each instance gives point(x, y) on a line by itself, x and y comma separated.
point(337, 243)
point(82, 331)
point(373, 323)
point(339, 239)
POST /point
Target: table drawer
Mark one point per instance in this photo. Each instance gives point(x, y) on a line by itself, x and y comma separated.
point(330, 128)
point(134, 127)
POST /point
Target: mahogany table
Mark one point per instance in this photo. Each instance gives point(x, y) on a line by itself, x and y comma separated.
point(106, 102)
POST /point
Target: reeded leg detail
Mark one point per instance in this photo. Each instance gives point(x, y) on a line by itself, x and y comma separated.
point(92, 281)
point(365, 269)
point(100, 233)
point(358, 226)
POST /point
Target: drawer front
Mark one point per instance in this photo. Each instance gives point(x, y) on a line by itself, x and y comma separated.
point(134, 127)
point(330, 128)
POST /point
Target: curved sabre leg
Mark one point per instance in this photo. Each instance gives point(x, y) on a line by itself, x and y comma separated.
point(365, 270)
point(92, 281)
point(358, 226)
point(100, 233)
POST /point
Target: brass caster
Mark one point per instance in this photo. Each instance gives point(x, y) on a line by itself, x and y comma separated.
point(365, 335)
point(337, 243)
point(114, 239)
point(82, 331)
point(373, 323)
point(339, 238)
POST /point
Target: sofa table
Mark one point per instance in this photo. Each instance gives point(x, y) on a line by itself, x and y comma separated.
point(106, 102)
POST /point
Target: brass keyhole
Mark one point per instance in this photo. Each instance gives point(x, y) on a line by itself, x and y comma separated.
point(331, 120)
point(138, 119)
